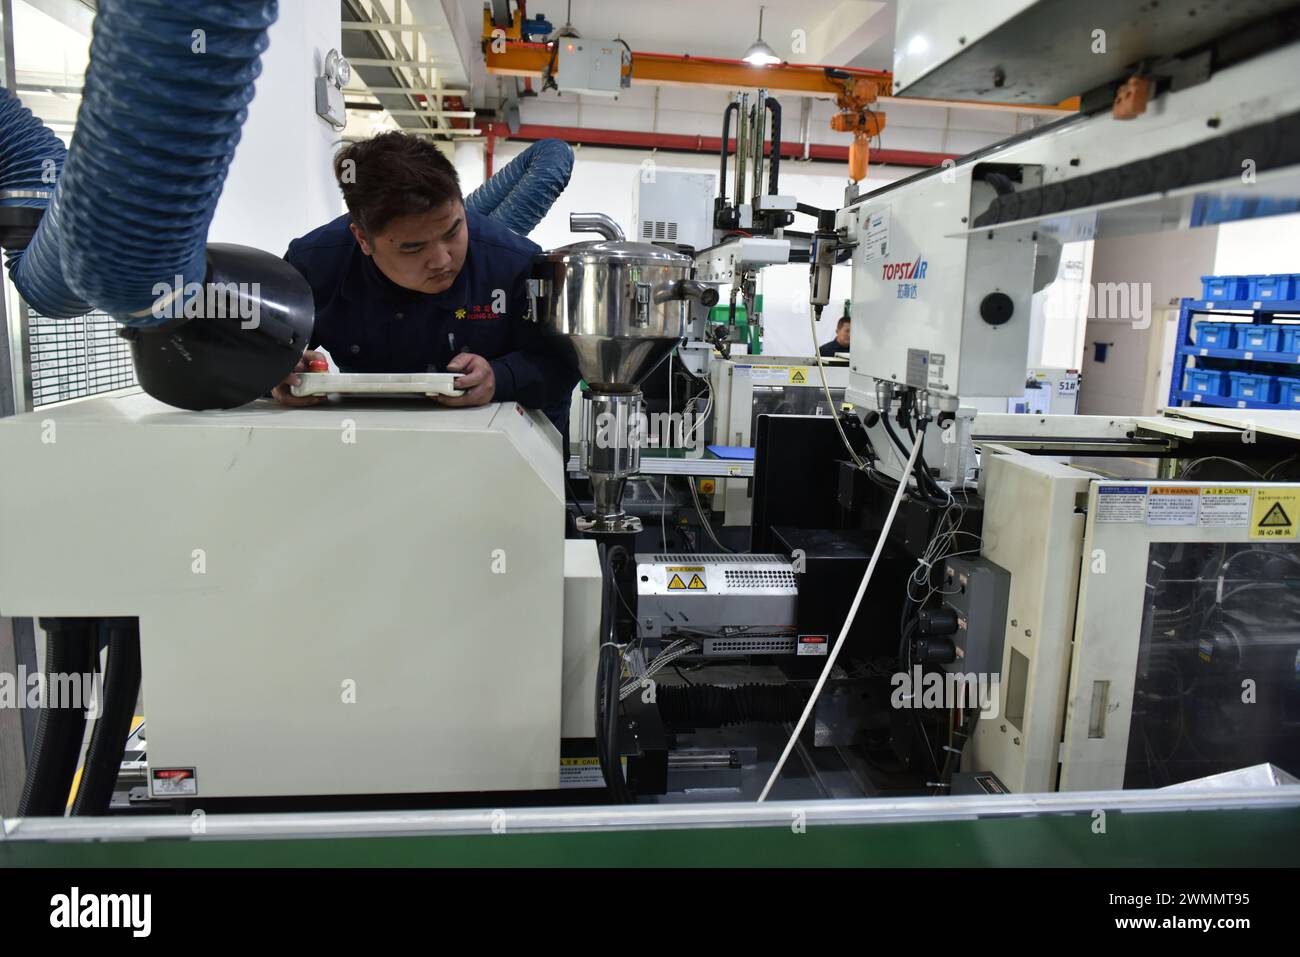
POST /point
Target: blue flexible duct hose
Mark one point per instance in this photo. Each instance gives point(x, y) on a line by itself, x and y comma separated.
point(520, 193)
point(165, 95)
point(31, 163)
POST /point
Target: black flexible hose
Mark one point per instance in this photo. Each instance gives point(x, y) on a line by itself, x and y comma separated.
point(113, 726)
point(607, 681)
point(922, 490)
point(69, 651)
point(774, 171)
point(933, 492)
point(722, 169)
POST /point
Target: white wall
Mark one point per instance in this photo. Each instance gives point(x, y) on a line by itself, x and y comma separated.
point(1270, 244)
point(604, 181)
point(281, 183)
point(1173, 262)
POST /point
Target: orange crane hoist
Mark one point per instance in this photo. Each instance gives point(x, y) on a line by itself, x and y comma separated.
point(857, 117)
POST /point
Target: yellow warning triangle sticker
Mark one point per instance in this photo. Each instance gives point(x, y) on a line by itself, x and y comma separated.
point(797, 376)
point(676, 583)
point(1275, 517)
point(697, 583)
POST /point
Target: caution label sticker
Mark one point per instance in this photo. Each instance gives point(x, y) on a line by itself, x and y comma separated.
point(798, 375)
point(773, 374)
point(817, 645)
point(686, 579)
point(1275, 513)
point(173, 782)
point(1172, 505)
point(1225, 508)
point(584, 772)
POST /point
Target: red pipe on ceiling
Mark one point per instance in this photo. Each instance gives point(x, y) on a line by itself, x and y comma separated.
point(677, 142)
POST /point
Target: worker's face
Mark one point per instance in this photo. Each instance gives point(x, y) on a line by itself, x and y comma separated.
point(842, 335)
point(422, 251)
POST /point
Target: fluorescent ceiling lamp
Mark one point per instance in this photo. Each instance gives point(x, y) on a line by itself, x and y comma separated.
point(760, 54)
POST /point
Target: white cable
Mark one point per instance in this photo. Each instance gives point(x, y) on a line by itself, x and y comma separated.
point(821, 370)
point(708, 526)
point(663, 505)
point(678, 649)
point(848, 622)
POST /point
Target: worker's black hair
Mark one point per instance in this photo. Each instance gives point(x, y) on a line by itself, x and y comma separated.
point(393, 174)
point(844, 321)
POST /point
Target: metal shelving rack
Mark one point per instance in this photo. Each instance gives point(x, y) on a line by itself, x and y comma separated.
point(1255, 312)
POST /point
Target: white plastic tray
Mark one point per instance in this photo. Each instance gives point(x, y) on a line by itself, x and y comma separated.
point(376, 383)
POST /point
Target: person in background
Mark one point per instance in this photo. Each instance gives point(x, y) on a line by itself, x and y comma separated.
point(408, 280)
point(841, 341)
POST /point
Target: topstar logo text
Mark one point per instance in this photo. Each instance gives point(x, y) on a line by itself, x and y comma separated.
point(912, 270)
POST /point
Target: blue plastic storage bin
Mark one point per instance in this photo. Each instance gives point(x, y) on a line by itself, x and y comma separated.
point(1224, 287)
point(1276, 288)
point(1288, 391)
point(1252, 387)
point(1288, 339)
point(1215, 335)
point(1206, 381)
point(1258, 338)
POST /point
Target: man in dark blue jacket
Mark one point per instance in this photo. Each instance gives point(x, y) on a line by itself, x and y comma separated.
point(409, 281)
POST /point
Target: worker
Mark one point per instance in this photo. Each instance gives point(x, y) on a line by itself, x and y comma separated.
point(409, 280)
point(841, 341)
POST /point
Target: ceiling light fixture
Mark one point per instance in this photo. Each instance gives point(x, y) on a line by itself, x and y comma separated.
point(760, 54)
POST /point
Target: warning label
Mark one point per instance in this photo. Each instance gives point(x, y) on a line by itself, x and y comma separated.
point(173, 782)
point(798, 375)
point(681, 582)
point(583, 772)
point(1225, 508)
point(1275, 512)
point(775, 374)
point(1172, 505)
point(1122, 503)
point(813, 645)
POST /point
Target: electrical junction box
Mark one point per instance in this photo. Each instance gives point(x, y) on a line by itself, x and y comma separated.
point(676, 208)
point(594, 67)
point(977, 590)
point(730, 604)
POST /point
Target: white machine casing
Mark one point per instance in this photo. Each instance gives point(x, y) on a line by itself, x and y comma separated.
point(918, 290)
point(347, 599)
point(675, 207)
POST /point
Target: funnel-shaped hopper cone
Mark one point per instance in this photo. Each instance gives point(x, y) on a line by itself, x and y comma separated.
point(617, 308)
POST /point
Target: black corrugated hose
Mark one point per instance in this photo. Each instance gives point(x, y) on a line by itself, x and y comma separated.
point(608, 675)
point(113, 726)
point(70, 648)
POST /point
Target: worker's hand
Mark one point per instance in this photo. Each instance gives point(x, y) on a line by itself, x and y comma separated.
point(476, 379)
point(281, 392)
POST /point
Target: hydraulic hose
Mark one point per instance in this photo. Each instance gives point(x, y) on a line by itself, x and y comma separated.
point(112, 727)
point(70, 649)
point(522, 191)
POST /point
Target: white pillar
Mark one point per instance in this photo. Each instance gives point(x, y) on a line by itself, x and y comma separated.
point(281, 183)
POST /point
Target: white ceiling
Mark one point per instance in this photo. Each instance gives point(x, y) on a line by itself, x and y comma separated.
point(835, 32)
